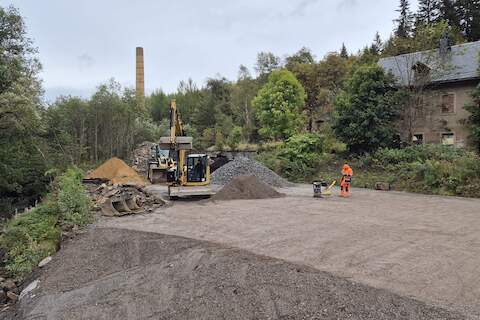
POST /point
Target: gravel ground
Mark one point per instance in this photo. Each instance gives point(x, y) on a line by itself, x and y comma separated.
point(426, 247)
point(245, 166)
point(121, 274)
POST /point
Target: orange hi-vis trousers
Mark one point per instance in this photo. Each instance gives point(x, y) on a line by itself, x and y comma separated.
point(345, 185)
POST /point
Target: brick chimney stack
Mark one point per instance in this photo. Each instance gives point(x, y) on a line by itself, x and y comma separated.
point(140, 74)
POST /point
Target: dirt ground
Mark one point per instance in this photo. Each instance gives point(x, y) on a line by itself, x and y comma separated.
point(420, 246)
point(123, 274)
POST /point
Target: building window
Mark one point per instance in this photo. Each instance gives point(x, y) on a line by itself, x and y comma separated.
point(448, 139)
point(448, 103)
point(418, 138)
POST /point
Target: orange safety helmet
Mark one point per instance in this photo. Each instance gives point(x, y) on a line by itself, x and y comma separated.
point(346, 170)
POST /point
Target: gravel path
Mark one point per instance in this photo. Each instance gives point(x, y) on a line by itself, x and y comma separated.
point(121, 274)
point(245, 166)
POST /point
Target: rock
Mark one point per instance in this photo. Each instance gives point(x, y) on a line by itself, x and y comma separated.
point(44, 262)
point(383, 186)
point(9, 285)
point(12, 296)
point(32, 286)
point(3, 297)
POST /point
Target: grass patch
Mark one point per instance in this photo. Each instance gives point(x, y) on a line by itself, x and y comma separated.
point(31, 236)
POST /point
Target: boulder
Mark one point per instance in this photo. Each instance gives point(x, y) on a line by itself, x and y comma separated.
point(12, 296)
point(44, 262)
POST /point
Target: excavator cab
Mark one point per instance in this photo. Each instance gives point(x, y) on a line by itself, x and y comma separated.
point(197, 166)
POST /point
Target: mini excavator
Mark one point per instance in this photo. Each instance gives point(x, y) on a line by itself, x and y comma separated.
point(186, 174)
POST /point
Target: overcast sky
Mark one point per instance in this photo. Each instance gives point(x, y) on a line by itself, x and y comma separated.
point(84, 43)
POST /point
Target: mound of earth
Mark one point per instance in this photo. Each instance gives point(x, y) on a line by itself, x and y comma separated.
point(246, 187)
point(116, 171)
point(244, 166)
point(121, 274)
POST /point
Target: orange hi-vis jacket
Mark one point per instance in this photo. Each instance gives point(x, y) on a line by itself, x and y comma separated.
point(347, 174)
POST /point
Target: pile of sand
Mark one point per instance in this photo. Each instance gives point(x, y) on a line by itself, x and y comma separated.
point(246, 187)
point(116, 171)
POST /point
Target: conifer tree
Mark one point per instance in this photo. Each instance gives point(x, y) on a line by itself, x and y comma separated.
point(343, 51)
point(469, 13)
point(404, 28)
point(449, 12)
point(428, 12)
point(377, 45)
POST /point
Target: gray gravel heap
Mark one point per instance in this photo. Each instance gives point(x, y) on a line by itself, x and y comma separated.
point(245, 166)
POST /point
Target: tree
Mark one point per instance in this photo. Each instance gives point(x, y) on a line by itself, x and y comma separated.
point(469, 13)
point(278, 105)
point(158, 103)
point(303, 56)
point(426, 37)
point(474, 117)
point(22, 149)
point(188, 97)
point(243, 93)
point(377, 45)
point(343, 51)
point(449, 12)
point(266, 63)
point(404, 28)
point(366, 111)
point(428, 12)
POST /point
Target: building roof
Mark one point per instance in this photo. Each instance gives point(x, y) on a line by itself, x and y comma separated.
point(460, 63)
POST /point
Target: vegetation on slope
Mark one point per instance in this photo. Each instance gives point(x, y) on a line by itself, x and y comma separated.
point(31, 236)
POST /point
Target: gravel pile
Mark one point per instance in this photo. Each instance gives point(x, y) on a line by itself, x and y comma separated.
point(245, 166)
point(246, 187)
point(112, 274)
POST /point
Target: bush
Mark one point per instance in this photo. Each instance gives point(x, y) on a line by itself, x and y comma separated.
point(435, 169)
point(234, 138)
point(73, 202)
point(300, 157)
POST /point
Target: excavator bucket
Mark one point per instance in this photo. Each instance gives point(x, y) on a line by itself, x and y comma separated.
point(157, 175)
point(121, 205)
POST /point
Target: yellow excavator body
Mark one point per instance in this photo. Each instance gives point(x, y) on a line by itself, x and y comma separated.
point(189, 174)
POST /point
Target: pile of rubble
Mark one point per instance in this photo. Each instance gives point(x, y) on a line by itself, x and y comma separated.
point(118, 190)
point(141, 156)
point(245, 166)
point(9, 292)
point(119, 200)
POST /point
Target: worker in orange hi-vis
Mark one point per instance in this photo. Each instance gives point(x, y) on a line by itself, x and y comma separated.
point(346, 181)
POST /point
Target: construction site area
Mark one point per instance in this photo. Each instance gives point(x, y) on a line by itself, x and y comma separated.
point(268, 161)
point(264, 248)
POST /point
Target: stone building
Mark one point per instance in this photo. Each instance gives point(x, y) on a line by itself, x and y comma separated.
point(441, 82)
